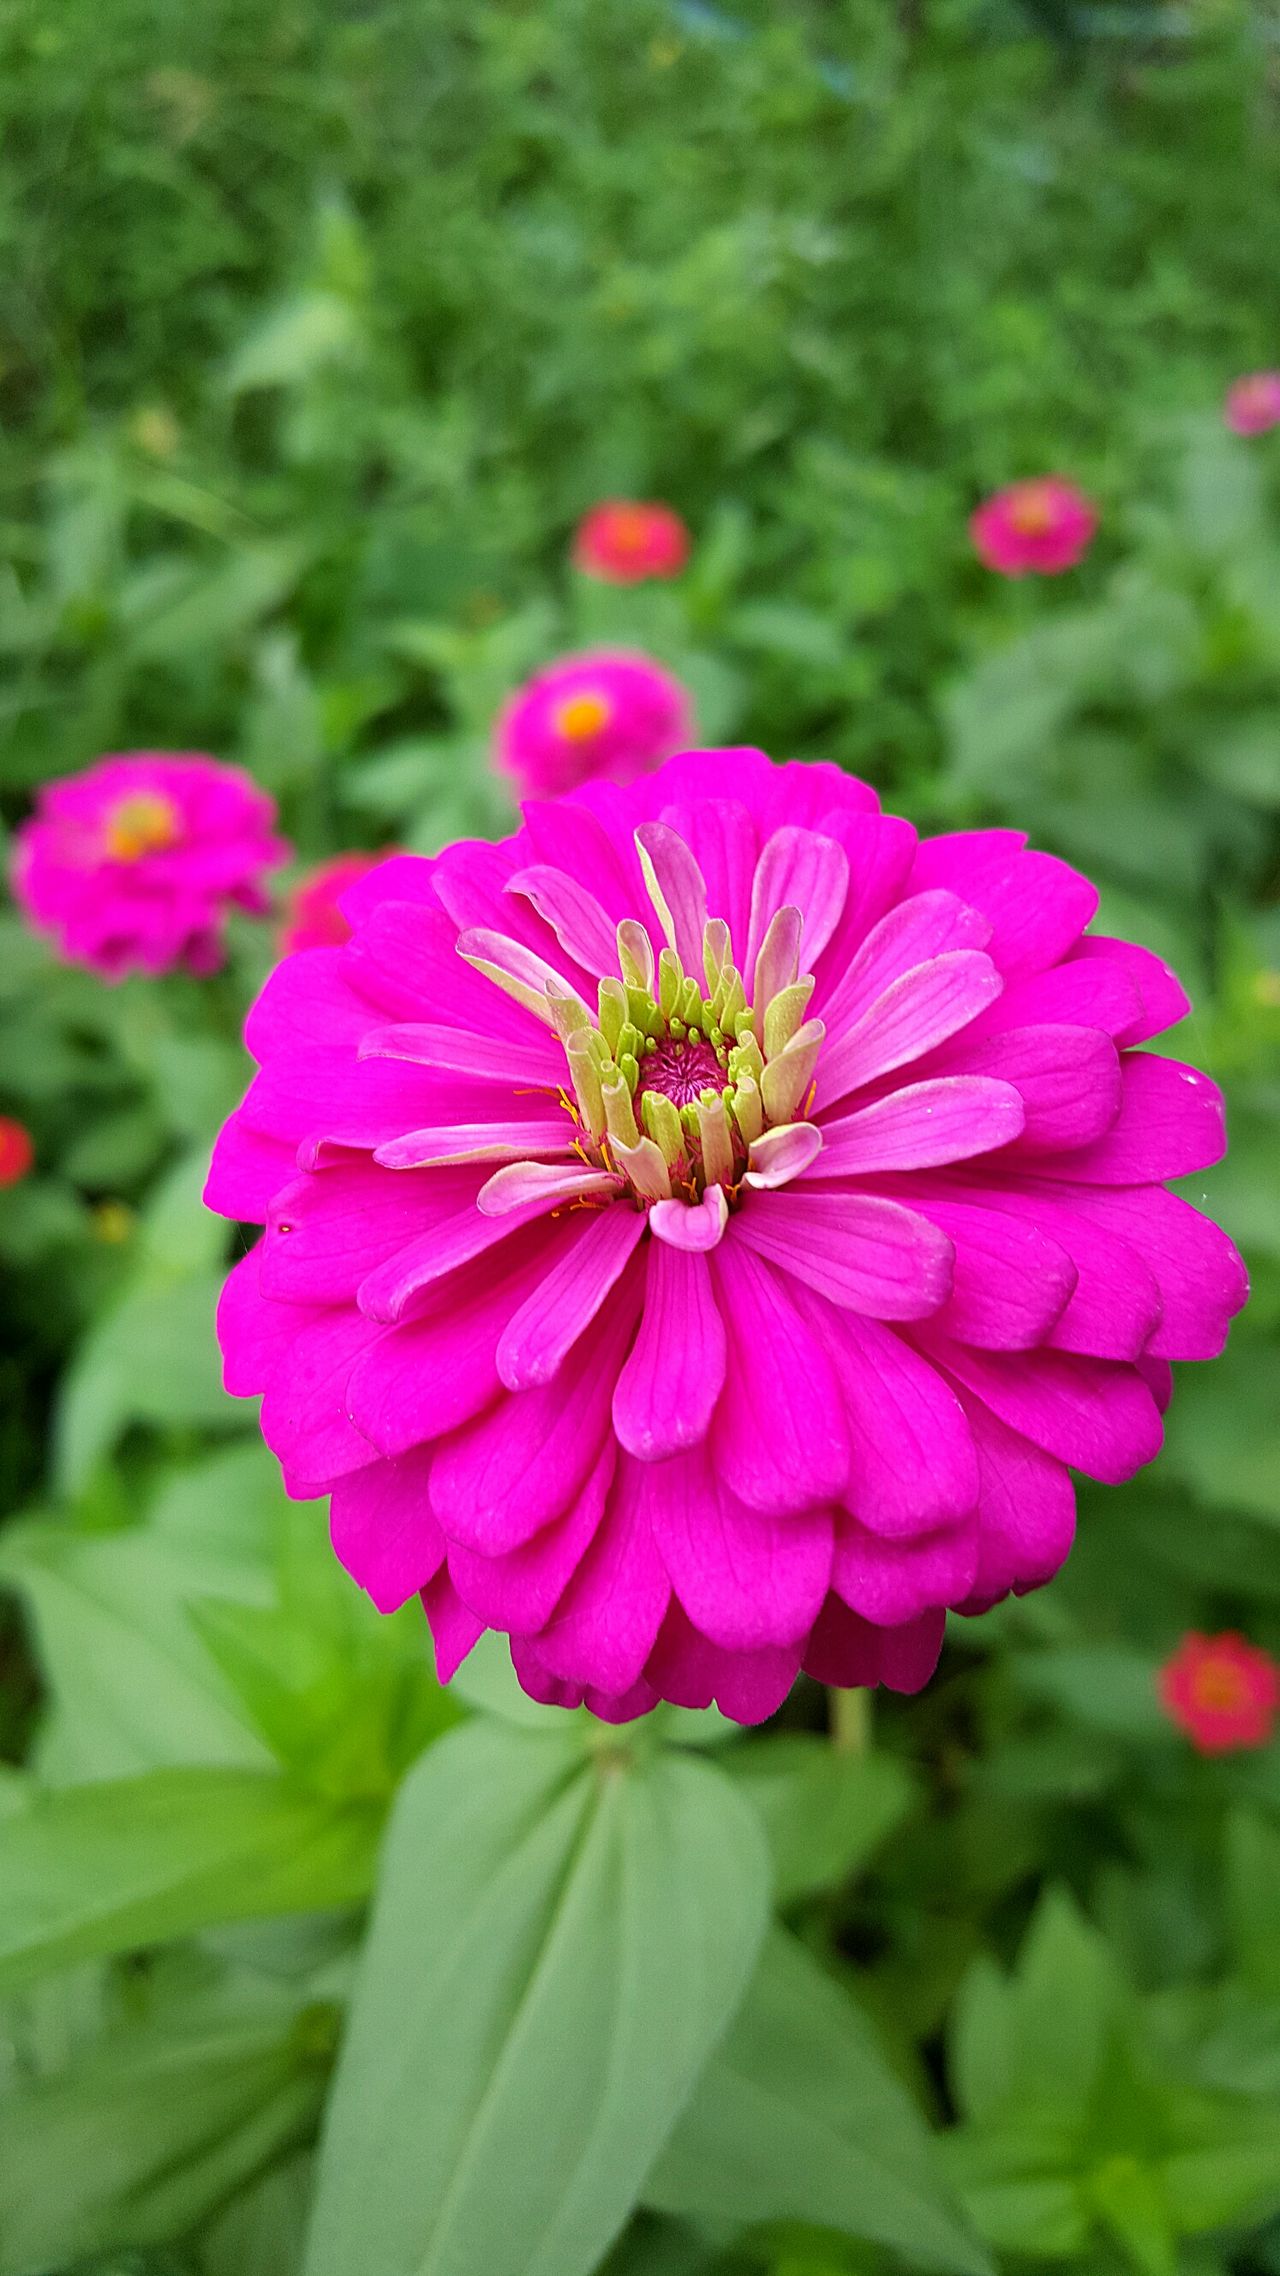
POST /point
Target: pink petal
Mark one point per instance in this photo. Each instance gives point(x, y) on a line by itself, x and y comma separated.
point(563, 835)
point(318, 1092)
point(429, 1376)
point(328, 1229)
point(515, 1468)
point(778, 1436)
point(455, 1631)
point(846, 1651)
point(382, 1529)
point(1012, 1279)
point(1038, 907)
point(531, 980)
point(1170, 1125)
point(537, 1185)
point(246, 1171)
point(574, 915)
point(606, 1622)
point(1093, 1413)
point(594, 1251)
point(880, 850)
point(918, 1011)
point(921, 1126)
point(780, 1154)
point(1068, 1079)
point(1201, 1277)
point(678, 892)
point(1087, 992)
point(405, 1283)
point(861, 1252)
point(693, 1226)
point(801, 869)
point(1026, 1517)
point(1115, 1304)
point(518, 1591)
point(746, 1579)
point(460, 1051)
point(912, 1465)
point(673, 1376)
point(305, 1420)
point(913, 933)
point(687, 1668)
point(498, 1141)
point(1163, 999)
point(308, 999)
point(248, 1329)
point(400, 878)
point(889, 1581)
point(721, 836)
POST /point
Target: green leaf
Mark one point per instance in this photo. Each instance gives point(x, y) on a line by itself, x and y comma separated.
point(799, 2117)
point(556, 1945)
point(109, 1867)
point(1253, 1900)
point(825, 1813)
point(1105, 1687)
point(263, 2229)
point(149, 2134)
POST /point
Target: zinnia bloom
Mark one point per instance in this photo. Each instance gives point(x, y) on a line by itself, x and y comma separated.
point(1223, 1692)
point(134, 864)
point(16, 1150)
point(1043, 526)
point(703, 1231)
point(603, 716)
point(625, 542)
point(313, 911)
point(1253, 403)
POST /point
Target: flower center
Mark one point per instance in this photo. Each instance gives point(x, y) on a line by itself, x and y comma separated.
point(1219, 1688)
point(144, 822)
point(1033, 510)
point(629, 529)
point(580, 717)
point(680, 1071)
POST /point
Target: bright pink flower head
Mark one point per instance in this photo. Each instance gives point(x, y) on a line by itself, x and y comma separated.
point(624, 542)
point(16, 1150)
point(604, 716)
point(1253, 403)
point(1042, 526)
point(134, 864)
point(313, 912)
point(1223, 1692)
point(704, 1230)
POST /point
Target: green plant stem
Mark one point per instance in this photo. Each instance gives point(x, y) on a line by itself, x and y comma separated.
point(850, 1714)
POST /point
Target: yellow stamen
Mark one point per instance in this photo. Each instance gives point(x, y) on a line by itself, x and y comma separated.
point(144, 822)
point(580, 717)
point(1033, 509)
point(1219, 1687)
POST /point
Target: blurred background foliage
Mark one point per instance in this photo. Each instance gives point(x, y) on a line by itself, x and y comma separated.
point(319, 328)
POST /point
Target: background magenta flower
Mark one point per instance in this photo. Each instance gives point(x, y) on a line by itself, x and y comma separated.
point(16, 1150)
point(313, 910)
point(703, 1232)
point(1253, 403)
point(1222, 1691)
point(606, 715)
point(134, 864)
point(1042, 526)
point(625, 541)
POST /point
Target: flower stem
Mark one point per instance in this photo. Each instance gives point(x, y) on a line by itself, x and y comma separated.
point(850, 1720)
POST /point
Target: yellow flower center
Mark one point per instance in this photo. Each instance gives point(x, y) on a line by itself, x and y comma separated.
point(144, 822)
point(1219, 1687)
point(629, 528)
point(1033, 510)
point(580, 717)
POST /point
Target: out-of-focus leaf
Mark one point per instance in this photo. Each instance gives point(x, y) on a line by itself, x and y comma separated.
point(825, 1812)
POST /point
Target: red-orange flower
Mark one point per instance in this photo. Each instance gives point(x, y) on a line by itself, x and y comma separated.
point(16, 1150)
point(1222, 1691)
point(624, 541)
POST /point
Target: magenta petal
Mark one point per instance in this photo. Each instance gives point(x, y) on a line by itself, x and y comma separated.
point(921, 1126)
point(912, 1465)
point(498, 1141)
point(1026, 1517)
point(695, 1227)
point(678, 891)
point(913, 933)
point(551, 1691)
point(1115, 1304)
point(870, 1255)
point(746, 1579)
point(1201, 1276)
point(518, 1590)
point(1170, 1125)
point(1012, 1279)
point(404, 1283)
point(1068, 1079)
point(455, 1631)
point(690, 1670)
point(722, 838)
point(778, 1437)
point(1087, 992)
point(308, 999)
point(1038, 907)
point(917, 1012)
point(328, 1229)
point(1163, 999)
point(318, 1092)
point(247, 1170)
point(798, 869)
point(248, 1329)
point(574, 915)
point(382, 1529)
point(846, 1651)
point(427, 1377)
point(593, 1252)
point(514, 1469)
point(889, 1581)
point(305, 1420)
point(606, 1622)
point(460, 1051)
point(400, 878)
point(673, 1376)
point(1093, 1413)
point(407, 958)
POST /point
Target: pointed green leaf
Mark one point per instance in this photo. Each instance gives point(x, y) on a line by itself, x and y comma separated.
point(556, 1944)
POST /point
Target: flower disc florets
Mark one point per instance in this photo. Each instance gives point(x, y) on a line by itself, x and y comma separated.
point(701, 1232)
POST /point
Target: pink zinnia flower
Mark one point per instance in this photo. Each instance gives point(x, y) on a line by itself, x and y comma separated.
point(1253, 403)
point(16, 1150)
point(603, 716)
point(703, 1231)
point(1043, 526)
point(1223, 1692)
point(313, 910)
point(134, 864)
point(625, 542)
